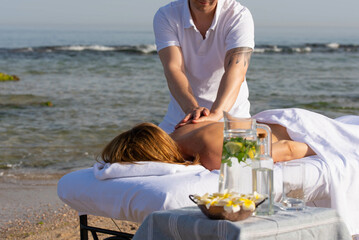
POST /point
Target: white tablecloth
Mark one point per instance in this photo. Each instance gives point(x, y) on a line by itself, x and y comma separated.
point(191, 223)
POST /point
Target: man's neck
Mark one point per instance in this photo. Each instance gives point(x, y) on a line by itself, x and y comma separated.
point(202, 15)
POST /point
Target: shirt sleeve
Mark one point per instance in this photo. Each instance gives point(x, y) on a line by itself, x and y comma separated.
point(165, 34)
point(241, 32)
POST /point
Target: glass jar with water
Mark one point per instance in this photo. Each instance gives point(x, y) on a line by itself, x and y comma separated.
point(262, 173)
point(241, 169)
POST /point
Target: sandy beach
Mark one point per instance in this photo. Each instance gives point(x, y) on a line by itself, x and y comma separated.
point(31, 209)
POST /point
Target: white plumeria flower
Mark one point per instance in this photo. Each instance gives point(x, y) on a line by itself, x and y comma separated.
point(232, 208)
point(248, 205)
point(230, 201)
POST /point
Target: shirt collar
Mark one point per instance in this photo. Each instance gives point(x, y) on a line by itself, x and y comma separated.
point(216, 15)
point(187, 18)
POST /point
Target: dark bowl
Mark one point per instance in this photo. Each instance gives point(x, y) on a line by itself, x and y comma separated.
point(218, 212)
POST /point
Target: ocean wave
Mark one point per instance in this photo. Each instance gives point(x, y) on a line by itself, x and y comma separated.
point(307, 48)
point(84, 48)
point(151, 48)
point(140, 49)
point(282, 49)
point(5, 166)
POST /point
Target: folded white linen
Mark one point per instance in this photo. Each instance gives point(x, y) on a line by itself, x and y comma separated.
point(104, 171)
point(133, 198)
point(336, 142)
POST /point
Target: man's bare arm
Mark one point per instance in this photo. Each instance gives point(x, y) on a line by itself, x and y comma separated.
point(236, 64)
point(238, 56)
point(178, 84)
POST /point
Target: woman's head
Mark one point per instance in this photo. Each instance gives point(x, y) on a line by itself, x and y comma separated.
point(144, 142)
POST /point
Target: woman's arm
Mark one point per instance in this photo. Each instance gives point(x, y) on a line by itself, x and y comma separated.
point(206, 139)
point(284, 148)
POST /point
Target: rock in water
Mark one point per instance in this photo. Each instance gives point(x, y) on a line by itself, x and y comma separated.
point(6, 77)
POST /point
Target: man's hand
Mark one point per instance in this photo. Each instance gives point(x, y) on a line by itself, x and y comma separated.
point(200, 114)
point(195, 114)
point(212, 117)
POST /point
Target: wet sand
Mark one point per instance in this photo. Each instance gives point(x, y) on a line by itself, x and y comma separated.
point(31, 209)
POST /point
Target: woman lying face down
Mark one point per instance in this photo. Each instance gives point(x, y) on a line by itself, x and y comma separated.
point(144, 142)
point(190, 144)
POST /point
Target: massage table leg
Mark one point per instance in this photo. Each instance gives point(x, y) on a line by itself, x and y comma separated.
point(84, 228)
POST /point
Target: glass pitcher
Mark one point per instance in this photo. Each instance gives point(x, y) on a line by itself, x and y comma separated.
point(240, 148)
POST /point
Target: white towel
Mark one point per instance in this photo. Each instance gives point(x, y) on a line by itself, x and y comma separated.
point(104, 171)
point(336, 142)
point(133, 198)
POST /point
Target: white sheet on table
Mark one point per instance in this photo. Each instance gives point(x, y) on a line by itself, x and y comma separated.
point(133, 198)
point(336, 142)
point(104, 171)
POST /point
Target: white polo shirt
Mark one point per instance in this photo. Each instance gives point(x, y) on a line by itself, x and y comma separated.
point(232, 27)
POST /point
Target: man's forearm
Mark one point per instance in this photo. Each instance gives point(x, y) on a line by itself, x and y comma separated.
point(227, 93)
point(236, 65)
point(181, 89)
point(178, 84)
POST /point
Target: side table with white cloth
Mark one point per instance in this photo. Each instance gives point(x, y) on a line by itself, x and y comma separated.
point(191, 223)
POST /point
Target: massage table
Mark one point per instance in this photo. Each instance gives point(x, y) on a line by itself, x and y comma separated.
point(131, 192)
point(133, 198)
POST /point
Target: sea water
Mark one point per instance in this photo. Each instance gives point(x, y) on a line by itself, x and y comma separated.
point(102, 82)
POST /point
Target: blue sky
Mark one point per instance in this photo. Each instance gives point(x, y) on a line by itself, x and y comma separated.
point(138, 14)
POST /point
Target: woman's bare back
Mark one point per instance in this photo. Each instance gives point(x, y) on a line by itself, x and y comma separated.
point(204, 139)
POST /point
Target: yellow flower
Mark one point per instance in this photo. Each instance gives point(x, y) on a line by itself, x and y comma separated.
point(232, 207)
point(230, 201)
point(248, 205)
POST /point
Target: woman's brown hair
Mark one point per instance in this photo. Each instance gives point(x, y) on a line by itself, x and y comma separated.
point(144, 142)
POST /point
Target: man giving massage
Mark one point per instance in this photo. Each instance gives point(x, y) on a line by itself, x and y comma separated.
point(190, 144)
